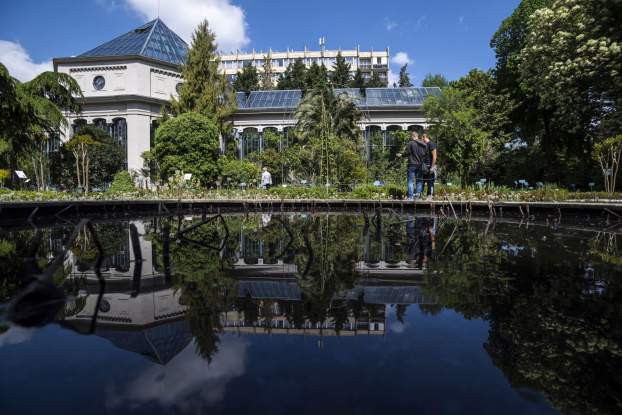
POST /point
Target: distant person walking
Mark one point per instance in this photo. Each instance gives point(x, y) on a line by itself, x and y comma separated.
point(266, 179)
point(417, 152)
point(431, 162)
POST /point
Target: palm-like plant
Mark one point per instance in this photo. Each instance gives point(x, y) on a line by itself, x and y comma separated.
point(31, 112)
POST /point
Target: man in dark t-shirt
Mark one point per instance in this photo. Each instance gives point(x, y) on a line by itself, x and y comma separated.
point(417, 152)
point(430, 161)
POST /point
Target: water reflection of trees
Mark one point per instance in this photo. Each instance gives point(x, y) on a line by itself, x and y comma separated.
point(553, 305)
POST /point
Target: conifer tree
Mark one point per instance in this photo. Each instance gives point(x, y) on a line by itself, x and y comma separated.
point(247, 80)
point(205, 89)
point(341, 72)
point(266, 76)
point(404, 78)
point(358, 81)
point(376, 82)
point(317, 76)
point(294, 76)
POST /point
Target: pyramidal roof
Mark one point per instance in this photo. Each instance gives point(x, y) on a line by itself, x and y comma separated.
point(153, 40)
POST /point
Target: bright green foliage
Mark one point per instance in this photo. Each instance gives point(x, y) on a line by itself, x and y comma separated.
point(267, 83)
point(572, 62)
point(470, 124)
point(247, 80)
point(376, 82)
point(188, 143)
point(205, 89)
point(608, 154)
point(294, 76)
point(122, 182)
point(5, 174)
point(432, 80)
point(235, 171)
point(404, 78)
point(340, 75)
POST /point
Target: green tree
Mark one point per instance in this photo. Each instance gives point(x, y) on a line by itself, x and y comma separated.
point(294, 76)
point(328, 126)
point(247, 80)
point(188, 143)
point(80, 146)
point(404, 78)
point(376, 82)
point(267, 83)
point(341, 76)
point(205, 90)
point(316, 77)
point(31, 113)
point(432, 80)
point(358, 81)
point(572, 62)
point(106, 159)
point(608, 154)
point(470, 122)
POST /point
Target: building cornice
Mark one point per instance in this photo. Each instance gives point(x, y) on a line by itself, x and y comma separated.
point(122, 98)
point(111, 59)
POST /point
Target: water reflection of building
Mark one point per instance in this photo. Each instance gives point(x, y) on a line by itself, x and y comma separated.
point(149, 317)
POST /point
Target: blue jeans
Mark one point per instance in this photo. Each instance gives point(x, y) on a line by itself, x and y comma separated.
point(431, 178)
point(412, 176)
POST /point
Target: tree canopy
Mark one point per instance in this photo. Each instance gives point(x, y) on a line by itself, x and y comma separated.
point(247, 80)
point(404, 80)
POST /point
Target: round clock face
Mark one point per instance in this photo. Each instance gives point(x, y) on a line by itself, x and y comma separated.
point(99, 82)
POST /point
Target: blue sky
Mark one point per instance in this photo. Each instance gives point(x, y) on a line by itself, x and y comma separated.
point(441, 36)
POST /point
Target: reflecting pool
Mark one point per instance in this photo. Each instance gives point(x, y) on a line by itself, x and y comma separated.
point(310, 313)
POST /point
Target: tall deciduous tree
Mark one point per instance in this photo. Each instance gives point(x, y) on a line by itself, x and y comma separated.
point(247, 80)
point(404, 78)
point(294, 76)
point(572, 62)
point(470, 124)
point(341, 76)
point(432, 80)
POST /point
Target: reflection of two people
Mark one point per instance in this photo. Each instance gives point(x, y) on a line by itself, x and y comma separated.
point(421, 236)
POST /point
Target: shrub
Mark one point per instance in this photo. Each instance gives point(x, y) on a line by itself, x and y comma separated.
point(235, 171)
point(122, 182)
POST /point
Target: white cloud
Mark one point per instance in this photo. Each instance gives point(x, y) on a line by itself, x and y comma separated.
point(393, 78)
point(187, 383)
point(15, 335)
point(390, 24)
point(19, 63)
point(401, 58)
point(226, 20)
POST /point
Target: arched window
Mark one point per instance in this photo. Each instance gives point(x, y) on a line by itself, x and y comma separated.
point(77, 126)
point(119, 134)
point(391, 139)
point(271, 138)
point(374, 141)
point(250, 141)
point(101, 124)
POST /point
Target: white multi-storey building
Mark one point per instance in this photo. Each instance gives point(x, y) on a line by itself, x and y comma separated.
point(126, 81)
point(367, 61)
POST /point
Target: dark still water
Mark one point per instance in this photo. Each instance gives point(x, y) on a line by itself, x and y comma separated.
point(310, 314)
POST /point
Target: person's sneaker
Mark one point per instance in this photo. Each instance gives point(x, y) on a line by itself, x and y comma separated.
point(418, 196)
point(429, 198)
point(411, 199)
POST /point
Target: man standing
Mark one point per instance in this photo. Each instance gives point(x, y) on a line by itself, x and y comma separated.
point(417, 152)
point(430, 161)
point(266, 179)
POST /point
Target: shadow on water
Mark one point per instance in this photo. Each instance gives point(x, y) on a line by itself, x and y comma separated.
point(551, 295)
